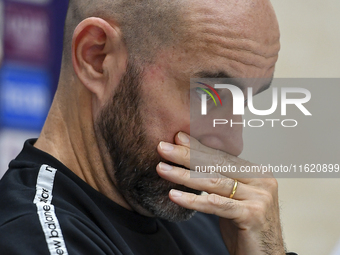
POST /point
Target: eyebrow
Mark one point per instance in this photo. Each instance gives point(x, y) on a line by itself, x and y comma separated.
point(224, 75)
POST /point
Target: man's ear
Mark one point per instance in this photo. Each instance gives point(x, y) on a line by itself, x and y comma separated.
point(98, 55)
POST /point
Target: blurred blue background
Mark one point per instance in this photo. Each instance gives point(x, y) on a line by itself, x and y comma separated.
point(31, 37)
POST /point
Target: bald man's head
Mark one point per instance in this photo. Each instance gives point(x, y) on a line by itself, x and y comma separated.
point(146, 25)
point(124, 87)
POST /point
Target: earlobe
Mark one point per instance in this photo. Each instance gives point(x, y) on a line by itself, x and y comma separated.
point(95, 48)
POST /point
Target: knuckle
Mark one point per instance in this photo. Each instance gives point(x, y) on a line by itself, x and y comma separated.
point(227, 205)
point(214, 199)
point(184, 175)
point(216, 182)
point(220, 160)
point(221, 182)
point(186, 155)
point(273, 184)
point(267, 199)
point(192, 199)
point(232, 160)
point(269, 184)
point(220, 203)
point(245, 214)
point(261, 208)
point(257, 211)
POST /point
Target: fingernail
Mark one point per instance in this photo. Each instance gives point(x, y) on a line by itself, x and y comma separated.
point(166, 146)
point(176, 193)
point(165, 167)
point(183, 137)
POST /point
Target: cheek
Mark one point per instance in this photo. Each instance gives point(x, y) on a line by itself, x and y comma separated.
point(166, 102)
point(164, 117)
point(222, 137)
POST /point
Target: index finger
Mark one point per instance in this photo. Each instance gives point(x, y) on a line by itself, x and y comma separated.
point(204, 165)
point(230, 165)
point(188, 141)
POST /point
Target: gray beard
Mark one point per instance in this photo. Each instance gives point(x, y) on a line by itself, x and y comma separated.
point(133, 153)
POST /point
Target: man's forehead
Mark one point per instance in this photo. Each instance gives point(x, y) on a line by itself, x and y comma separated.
point(236, 18)
point(219, 39)
point(238, 35)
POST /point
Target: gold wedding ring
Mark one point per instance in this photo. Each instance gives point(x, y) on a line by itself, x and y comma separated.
point(234, 189)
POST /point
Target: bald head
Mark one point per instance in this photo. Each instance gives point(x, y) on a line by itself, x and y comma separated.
point(150, 25)
point(146, 25)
